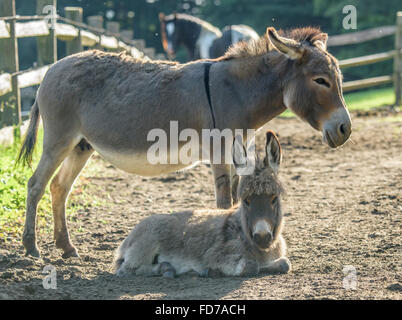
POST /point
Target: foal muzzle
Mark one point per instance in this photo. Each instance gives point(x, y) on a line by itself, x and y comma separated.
point(262, 235)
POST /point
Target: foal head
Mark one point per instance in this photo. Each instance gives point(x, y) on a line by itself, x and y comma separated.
point(313, 86)
point(259, 196)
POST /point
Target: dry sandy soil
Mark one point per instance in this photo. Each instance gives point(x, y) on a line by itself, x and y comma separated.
point(342, 207)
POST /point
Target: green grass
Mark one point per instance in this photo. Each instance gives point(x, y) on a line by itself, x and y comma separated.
point(13, 181)
point(13, 190)
point(363, 100)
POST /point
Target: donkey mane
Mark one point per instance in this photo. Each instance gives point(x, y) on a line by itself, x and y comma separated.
point(203, 23)
point(263, 45)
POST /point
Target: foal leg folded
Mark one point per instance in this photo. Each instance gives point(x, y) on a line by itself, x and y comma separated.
point(236, 265)
point(281, 265)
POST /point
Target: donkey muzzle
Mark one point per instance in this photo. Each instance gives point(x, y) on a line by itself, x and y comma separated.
point(262, 240)
point(262, 235)
point(337, 129)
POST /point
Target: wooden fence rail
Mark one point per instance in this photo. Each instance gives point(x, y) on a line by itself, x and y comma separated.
point(78, 35)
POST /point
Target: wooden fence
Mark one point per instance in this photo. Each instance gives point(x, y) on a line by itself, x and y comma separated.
point(367, 35)
point(49, 28)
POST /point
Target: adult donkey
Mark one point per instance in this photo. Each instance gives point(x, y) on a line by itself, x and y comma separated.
point(201, 39)
point(109, 102)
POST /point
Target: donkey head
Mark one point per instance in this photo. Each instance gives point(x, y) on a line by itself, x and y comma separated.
point(313, 87)
point(259, 194)
point(169, 33)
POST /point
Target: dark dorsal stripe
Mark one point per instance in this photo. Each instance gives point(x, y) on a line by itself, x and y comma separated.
point(207, 67)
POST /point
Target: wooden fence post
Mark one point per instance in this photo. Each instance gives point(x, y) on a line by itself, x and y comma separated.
point(398, 60)
point(47, 45)
point(9, 63)
point(75, 45)
point(96, 22)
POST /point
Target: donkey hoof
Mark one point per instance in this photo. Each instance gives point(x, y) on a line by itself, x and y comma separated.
point(284, 265)
point(170, 274)
point(70, 254)
point(224, 203)
point(33, 252)
point(167, 270)
point(204, 273)
point(29, 242)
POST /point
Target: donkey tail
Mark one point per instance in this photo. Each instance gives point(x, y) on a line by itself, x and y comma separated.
point(25, 155)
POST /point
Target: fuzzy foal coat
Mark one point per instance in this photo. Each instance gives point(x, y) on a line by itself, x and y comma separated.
point(214, 240)
point(193, 241)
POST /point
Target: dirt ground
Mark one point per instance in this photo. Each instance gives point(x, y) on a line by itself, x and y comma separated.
point(342, 208)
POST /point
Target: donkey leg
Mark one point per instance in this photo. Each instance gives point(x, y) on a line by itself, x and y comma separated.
point(51, 158)
point(222, 180)
point(236, 265)
point(280, 265)
point(60, 188)
point(234, 184)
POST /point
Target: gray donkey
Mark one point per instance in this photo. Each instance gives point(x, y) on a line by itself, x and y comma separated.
point(241, 241)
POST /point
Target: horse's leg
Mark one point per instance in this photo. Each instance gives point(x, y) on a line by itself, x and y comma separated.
point(53, 154)
point(60, 188)
point(222, 185)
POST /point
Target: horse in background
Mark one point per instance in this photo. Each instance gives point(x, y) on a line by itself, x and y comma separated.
point(201, 39)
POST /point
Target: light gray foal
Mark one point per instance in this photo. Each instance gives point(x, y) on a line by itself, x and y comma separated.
point(242, 241)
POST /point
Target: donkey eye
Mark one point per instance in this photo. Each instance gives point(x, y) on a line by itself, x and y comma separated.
point(247, 201)
point(274, 200)
point(322, 82)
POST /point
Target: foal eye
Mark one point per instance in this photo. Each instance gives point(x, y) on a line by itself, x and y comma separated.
point(322, 82)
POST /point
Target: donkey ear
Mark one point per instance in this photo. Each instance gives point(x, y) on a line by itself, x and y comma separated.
point(239, 153)
point(161, 16)
point(290, 47)
point(321, 41)
point(273, 150)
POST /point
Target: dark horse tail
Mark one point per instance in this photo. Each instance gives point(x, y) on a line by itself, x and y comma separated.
point(25, 155)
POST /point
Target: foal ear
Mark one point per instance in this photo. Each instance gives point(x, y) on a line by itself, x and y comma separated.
point(239, 153)
point(290, 47)
point(273, 150)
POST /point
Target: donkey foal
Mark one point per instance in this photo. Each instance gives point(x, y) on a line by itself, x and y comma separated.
point(241, 241)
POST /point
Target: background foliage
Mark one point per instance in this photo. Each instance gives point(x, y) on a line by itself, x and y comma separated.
point(142, 17)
